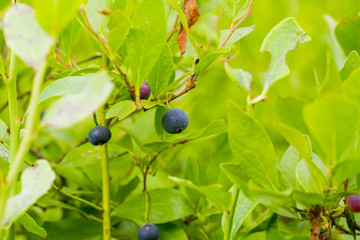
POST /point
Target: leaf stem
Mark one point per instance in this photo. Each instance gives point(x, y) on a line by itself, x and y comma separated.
point(105, 183)
point(233, 28)
point(229, 215)
point(27, 139)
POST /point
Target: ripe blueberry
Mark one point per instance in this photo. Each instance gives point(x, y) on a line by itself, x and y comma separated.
point(148, 232)
point(145, 90)
point(99, 135)
point(175, 121)
point(353, 203)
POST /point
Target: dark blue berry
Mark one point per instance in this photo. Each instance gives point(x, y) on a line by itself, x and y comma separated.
point(99, 135)
point(175, 121)
point(148, 232)
point(145, 90)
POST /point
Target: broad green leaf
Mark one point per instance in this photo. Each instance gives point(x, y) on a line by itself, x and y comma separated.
point(235, 9)
point(283, 38)
point(307, 199)
point(68, 37)
point(74, 229)
point(121, 109)
point(46, 201)
point(54, 15)
point(117, 35)
point(31, 226)
point(74, 108)
point(351, 86)
point(159, 113)
point(98, 21)
point(208, 59)
point(88, 154)
point(24, 35)
point(288, 165)
point(252, 148)
point(300, 141)
point(146, 39)
point(65, 86)
point(244, 79)
point(171, 231)
point(35, 182)
point(165, 205)
point(306, 177)
point(162, 71)
point(244, 208)
point(333, 121)
point(147, 104)
point(236, 173)
point(347, 33)
point(352, 63)
point(238, 34)
point(213, 193)
point(180, 14)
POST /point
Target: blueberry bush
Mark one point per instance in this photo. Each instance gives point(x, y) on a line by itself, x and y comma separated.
point(186, 119)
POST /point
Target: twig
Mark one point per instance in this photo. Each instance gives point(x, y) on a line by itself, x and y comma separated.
point(67, 65)
point(233, 28)
point(173, 30)
point(190, 85)
point(145, 173)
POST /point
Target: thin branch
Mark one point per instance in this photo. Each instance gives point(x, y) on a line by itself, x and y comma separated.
point(67, 65)
point(233, 28)
point(145, 173)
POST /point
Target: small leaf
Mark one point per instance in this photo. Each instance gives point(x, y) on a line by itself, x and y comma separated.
point(239, 76)
point(238, 34)
point(192, 15)
point(213, 193)
point(31, 226)
point(307, 199)
point(161, 72)
point(287, 166)
point(35, 182)
point(180, 14)
point(280, 40)
point(165, 205)
point(252, 148)
point(74, 108)
point(121, 109)
point(68, 37)
point(208, 59)
point(98, 21)
point(347, 33)
point(117, 35)
point(24, 35)
point(171, 231)
point(352, 63)
point(235, 9)
point(344, 170)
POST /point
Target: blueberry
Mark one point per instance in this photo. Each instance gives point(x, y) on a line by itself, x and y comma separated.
point(353, 203)
point(148, 232)
point(175, 121)
point(145, 90)
point(99, 135)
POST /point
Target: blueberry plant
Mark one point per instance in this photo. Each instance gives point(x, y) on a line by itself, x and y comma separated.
point(134, 119)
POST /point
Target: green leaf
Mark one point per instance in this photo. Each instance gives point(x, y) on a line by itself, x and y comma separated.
point(161, 73)
point(307, 199)
point(54, 15)
point(180, 14)
point(244, 79)
point(172, 85)
point(24, 35)
point(352, 63)
point(207, 6)
point(146, 39)
point(252, 148)
point(121, 109)
point(288, 165)
point(31, 226)
point(88, 154)
point(3, 129)
point(65, 86)
point(97, 20)
point(208, 59)
point(171, 231)
point(117, 35)
point(244, 207)
point(74, 108)
point(351, 86)
point(4, 4)
point(213, 193)
point(347, 33)
point(333, 121)
point(238, 34)
point(306, 177)
point(35, 182)
point(165, 205)
point(235, 9)
point(283, 38)
point(73, 229)
point(2, 67)
point(344, 170)
point(68, 37)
